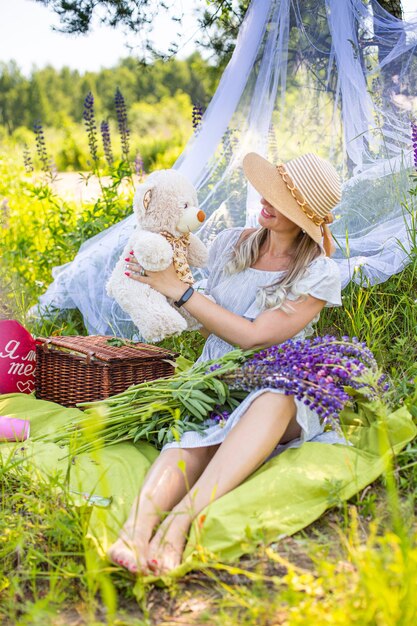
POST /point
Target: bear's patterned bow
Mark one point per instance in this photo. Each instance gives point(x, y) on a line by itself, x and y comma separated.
point(180, 248)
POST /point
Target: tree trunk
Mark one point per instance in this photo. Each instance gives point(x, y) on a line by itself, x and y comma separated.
point(387, 42)
point(392, 6)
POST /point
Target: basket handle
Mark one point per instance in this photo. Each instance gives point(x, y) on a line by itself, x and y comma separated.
point(89, 356)
point(45, 345)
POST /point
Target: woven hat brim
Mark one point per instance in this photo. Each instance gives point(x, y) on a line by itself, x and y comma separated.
point(268, 182)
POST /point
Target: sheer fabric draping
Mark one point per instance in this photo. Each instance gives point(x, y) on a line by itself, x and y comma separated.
point(334, 77)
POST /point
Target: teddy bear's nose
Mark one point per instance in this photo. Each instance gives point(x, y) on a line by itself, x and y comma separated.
point(201, 216)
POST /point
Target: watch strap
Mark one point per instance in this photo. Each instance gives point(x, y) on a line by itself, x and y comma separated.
point(185, 296)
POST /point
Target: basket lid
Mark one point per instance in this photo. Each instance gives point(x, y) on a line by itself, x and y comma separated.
point(98, 346)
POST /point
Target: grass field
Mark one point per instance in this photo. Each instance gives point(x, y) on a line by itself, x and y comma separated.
point(356, 565)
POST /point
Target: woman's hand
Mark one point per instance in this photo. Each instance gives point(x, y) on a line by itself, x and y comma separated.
point(165, 281)
point(269, 328)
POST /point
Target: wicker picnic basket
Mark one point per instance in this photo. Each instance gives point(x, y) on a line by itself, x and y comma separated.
point(83, 369)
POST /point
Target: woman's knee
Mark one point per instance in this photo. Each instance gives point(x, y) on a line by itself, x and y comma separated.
point(199, 457)
point(174, 455)
point(276, 410)
point(277, 403)
point(286, 410)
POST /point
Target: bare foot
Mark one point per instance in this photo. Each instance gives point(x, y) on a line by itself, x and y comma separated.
point(167, 546)
point(130, 551)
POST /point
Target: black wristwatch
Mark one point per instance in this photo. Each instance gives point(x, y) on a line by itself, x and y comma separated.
point(185, 296)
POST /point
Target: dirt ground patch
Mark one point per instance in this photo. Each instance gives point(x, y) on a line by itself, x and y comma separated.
point(79, 187)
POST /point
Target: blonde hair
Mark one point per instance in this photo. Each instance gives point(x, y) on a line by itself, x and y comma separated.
point(246, 252)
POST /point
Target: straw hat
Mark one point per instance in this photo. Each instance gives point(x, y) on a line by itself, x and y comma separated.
point(304, 189)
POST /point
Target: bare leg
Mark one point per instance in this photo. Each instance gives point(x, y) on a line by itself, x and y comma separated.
point(269, 420)
point(173, 473)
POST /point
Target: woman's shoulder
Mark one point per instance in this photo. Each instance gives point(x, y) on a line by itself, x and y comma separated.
point(245, 233)
point(321, 280)
point(323, 265)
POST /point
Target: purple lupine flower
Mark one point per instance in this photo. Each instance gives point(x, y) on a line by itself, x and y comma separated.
point(121, 113)
point(41, 147)
point(314, 371)
point(414, 142)
point(218, 416)
point(197, 114)
point(90, 125)
point(139, 167)
point(229, 142)
point(105, 136)
point(272, 144)
point(27, 159)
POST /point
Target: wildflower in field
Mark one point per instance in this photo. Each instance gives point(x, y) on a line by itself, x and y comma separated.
point(105, 136)
point(27, 159)
point(229, 143)
point(121, 113)
point(197, 114)
point(414, 142)
point(139, 167)
point(4, 213)
point(90, 124)
point(272, 144)
point(41, 147)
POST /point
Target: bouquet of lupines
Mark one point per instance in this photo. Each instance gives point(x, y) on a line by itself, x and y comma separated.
point(323, 373)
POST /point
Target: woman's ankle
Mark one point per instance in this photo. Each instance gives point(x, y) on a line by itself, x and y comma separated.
point(135, 529)
point(180, 518)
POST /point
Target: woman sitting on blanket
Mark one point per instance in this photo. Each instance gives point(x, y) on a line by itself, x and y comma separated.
point(269, 285)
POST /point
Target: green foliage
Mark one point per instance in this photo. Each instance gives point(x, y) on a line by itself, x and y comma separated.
point(34, 227)
point(221, 20)
point(39, 230)
point(385, 317)
point(159, 133)
point(42, 544)
point(189, 344)
point(56, 96)
point(46, 563)
point(78, 16)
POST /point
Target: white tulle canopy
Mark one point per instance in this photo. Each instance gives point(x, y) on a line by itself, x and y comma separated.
point(334, 77)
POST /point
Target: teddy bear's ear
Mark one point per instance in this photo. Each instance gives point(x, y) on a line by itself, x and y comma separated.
point(147, 199)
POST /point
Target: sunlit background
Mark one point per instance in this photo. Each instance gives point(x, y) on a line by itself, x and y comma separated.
point(26, 35)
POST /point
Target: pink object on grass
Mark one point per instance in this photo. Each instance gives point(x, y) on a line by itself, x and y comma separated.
point(17, 358)
point(13, 428)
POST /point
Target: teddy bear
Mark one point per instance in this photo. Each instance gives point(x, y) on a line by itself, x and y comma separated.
point(166, 210)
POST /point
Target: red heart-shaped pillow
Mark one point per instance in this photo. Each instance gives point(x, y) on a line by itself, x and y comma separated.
point(17, 358)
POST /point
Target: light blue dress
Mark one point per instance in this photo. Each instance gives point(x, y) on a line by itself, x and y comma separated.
point(243, 294)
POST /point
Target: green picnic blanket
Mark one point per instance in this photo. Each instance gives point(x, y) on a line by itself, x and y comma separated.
point(285, 495)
